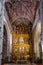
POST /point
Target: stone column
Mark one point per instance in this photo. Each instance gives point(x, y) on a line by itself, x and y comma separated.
point(1, 28)
point(36, 35)
point(41, 18)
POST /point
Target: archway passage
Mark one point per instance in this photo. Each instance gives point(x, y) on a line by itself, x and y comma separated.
point(22, 41)
point(4, 51)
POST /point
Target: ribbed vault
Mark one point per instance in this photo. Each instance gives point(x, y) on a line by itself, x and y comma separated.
point(21, 9)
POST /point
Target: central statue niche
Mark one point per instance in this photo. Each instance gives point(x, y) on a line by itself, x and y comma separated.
point(22, 42)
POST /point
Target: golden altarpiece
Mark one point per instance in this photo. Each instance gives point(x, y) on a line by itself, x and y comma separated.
point(22, 43)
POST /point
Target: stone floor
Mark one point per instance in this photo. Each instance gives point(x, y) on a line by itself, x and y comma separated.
point(22, 64)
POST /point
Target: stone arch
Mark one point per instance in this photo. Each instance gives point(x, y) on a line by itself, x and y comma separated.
point(5, 56)
point(22, 21)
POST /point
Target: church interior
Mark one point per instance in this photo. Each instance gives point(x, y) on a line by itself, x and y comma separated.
point(22, 33)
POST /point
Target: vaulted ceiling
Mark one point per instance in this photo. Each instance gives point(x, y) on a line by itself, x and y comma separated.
point(21, 9)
